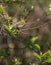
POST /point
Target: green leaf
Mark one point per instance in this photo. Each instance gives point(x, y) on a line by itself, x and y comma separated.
point(11, 27)
point(37, 55)
point(37, 46)
point(6, 0)
point(10, 18)
point(1, 8)
point(49, 60)
point(48, 52)
point(5, 27)
point(50, 5)
point(33, 39)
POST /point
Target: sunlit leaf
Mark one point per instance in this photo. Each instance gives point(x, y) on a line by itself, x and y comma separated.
point(48, 52)
point(10, 18)
point(49, 9)
point(37, 46)
point(5, 26)
point(37, 55)
point(49, 60)
point(1, 8)
point(49, 5)
point(34, 39)
point(11, 27)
